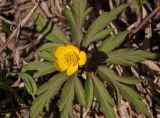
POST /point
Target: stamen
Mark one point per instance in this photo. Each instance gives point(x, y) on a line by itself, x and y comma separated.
point(71, 58)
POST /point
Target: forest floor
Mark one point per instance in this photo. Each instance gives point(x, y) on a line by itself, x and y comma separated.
point(19, 41)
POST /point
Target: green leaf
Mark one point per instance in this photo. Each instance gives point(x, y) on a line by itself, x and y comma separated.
point(134, 99)
point(49, 30)
point(113, 80)
point(66, 99)
point(121, 89)
point(128, 80)
point(88, 10)
point(110, 74)
point(129, 57)
point(101, 22)
point(118, 96)
point(101, 89)
point(46, 56)
point(71, 21)
point(100, 35)
point(46, 92)
point(41, 68)
point(29, 83)
point(112, 42)
point(89, 91)
point(103, 98)
point(51, 83)
point(38, 104)
point(103, 73)
point(76, 17)
point(49, 47)
point(80, 93)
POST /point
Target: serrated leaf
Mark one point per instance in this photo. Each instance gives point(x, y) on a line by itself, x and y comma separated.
point(101, 22)
point(111, 82)
point(46, 56)
point(38, 105)
point(49, 47)
point(70, 15)
point(100, 35)
point(49, 30)
point(40, 67)
point(29, 83)
point(110, 74)
point(78, 10)
point(118, 96)
point(134, 99)
point(115, 85)
point(46, 92)
point(112, 42)
point(51, 83)
point(89, 91)
point(128, 80)
point(129, 57)
point(66, 99)
point(129, 94)
point(104, 106)
point(101, 89)
point(103, 98)
point(88, 10)
point(80, 93)
point(71, 21)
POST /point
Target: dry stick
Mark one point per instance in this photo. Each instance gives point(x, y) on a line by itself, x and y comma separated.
point(20, 24)
point(43, 8)
point(145, 21)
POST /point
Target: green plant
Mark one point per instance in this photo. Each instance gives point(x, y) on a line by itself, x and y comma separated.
point(95, 69)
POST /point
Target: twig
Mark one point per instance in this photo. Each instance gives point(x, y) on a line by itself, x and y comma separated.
point(85, 113)
point(145, 21)
point(10, 38)
point(19, 116)
point(29, 14)
point(20, 24)
point(45, 9)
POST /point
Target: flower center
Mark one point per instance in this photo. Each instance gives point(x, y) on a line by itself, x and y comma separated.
point(71, 58)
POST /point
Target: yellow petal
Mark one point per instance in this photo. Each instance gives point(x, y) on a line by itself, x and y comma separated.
point(82, 58)
point(72, 69)
point(60, 51)
point(73, 48)
point(61, 64)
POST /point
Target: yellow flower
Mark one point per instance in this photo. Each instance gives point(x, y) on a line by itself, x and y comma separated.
point(69, 58)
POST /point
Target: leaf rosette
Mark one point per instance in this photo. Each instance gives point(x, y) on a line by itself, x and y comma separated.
point(71, 58)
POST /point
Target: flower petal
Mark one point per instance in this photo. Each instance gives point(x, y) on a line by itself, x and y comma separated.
point(60, 51)
point(61, 64)
point(73, 48)
point(72, 69)
point(82, 58)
